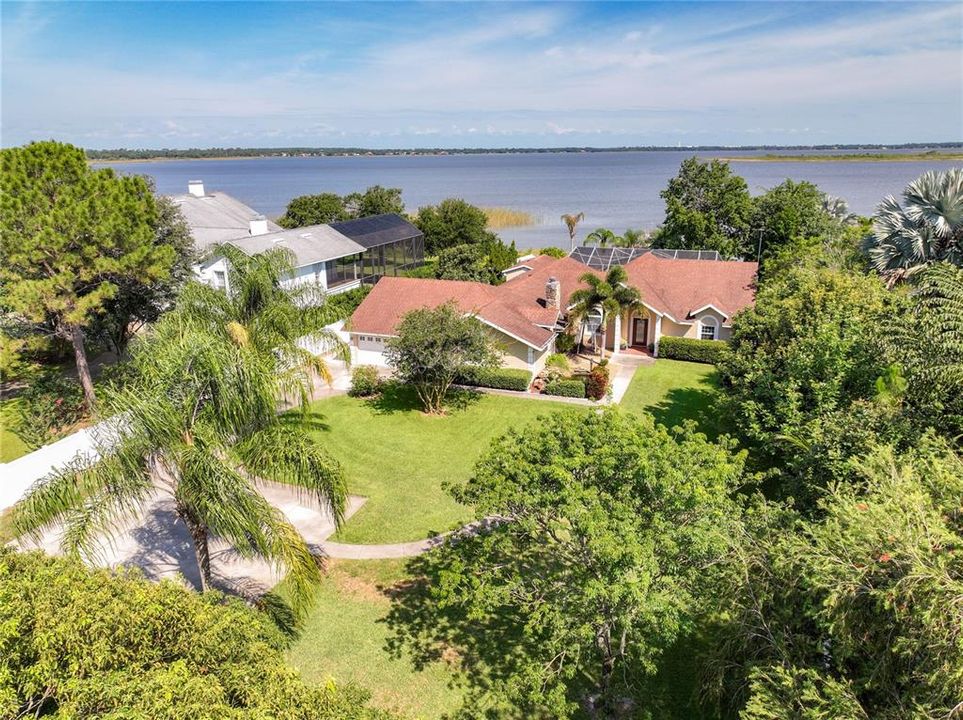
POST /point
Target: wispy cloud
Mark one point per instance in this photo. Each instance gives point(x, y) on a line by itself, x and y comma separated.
point(461, 74)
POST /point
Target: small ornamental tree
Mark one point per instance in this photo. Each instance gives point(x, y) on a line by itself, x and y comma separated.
point(432, 345)
point(606, 527)
point(71, 237)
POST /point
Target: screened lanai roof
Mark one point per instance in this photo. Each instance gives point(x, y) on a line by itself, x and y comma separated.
point(377, 230)
point(603, 258)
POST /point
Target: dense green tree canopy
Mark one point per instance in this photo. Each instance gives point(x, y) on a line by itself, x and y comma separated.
point(433, 345)
point(856, 614)
point(788, 211)
point(329, 207)
point(706, 208)
point(452, 222)
point(802, 363)
point(318, 209)
point(605, 525)
point(926, 343)
point(138, 303)
point(71, 237)
point(376, 200)
point(96, 644)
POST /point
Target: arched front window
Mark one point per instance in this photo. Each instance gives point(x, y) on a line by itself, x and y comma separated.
point(709, 328)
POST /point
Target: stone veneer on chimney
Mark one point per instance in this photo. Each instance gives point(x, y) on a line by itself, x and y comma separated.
point(553, 293)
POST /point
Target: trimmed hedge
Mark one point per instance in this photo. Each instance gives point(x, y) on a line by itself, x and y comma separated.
point(566, 388)
point(701, 351)
point(364, 381)
point(498, 378)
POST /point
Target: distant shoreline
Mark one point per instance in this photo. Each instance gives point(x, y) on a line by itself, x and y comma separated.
point(852, 157)
point(884, 153)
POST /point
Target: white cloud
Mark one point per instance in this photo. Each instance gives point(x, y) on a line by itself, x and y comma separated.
point(519, 72)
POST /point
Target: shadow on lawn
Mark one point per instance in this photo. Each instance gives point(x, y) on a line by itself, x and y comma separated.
point(397, 397)
point(488, 651)
point(701, 404)
point(482, 650)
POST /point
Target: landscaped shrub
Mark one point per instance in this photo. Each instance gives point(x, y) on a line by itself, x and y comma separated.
point(566, 388)
point(565, 343)
point(702, 351)
point(557, 365)
point(597, 381)
point(364, 381)
point(340, 305)
point(499, 378)
point(48, 406)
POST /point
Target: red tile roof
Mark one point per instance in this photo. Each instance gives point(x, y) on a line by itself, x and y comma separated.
point(672, 287)
point(678, 287)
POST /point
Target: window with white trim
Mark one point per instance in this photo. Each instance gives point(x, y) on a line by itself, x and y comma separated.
point(708, 328)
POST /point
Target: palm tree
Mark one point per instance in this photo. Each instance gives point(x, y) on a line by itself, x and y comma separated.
point(199, 422)
point(635, 238)
point(838, 209)
point(604, 296)
point(572, 221)
point(603, 237)
point(927, 228)
point(272, 315)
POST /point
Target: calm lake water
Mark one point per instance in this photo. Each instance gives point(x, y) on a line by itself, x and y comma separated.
point(614, 190)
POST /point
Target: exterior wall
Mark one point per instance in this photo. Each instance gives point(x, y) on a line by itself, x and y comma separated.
point(373, 343)
point(515, 354)
point(307, 274)
point(722, 333)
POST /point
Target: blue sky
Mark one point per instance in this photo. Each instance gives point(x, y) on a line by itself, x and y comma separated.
point(480, 74)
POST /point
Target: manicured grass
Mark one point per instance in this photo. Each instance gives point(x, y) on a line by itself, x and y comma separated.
point(346, 638)
point(673, 391)
point(398, 457)
point(11, 446)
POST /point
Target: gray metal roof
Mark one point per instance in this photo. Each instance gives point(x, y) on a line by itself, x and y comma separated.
point(310, 244)
point(603, 258)
point(217, 217)
point(376, 230)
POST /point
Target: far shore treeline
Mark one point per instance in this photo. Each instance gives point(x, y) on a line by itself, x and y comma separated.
point(220, 153)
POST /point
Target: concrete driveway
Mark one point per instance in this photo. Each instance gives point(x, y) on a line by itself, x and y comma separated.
point(158, 543)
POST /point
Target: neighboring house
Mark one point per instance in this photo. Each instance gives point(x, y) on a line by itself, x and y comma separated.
point(681, 297)
point(217, 217)
point(337, 257)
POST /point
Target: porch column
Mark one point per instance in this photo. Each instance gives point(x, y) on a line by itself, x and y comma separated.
point(658, 335)
point(617, 335)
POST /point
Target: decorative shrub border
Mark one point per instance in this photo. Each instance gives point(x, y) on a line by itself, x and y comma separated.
point(499, 378)
point(701, 351)
point(565, 388)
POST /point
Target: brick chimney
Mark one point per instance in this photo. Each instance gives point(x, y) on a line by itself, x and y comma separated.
point(195, 188)
point(553, 293)
point(259, 225)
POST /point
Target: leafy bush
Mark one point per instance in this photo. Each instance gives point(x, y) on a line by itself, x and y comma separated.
point(340, 305)
point(552, 251)
point(701, 351)
point(566, 388)
point(364, 381)
point(499, 378)
point(597, 381)
point(565, 343)
point(49, 405)
point(556, 366)
point(76, 642)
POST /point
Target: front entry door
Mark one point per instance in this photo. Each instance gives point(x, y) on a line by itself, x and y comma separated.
point(640, 331)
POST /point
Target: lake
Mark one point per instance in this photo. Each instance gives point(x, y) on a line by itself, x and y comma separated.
point(616, 190)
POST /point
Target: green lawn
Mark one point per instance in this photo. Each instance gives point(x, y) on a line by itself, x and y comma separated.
point(11, 446)
point(673, 391)
point(346, 637)
point(398, 457)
